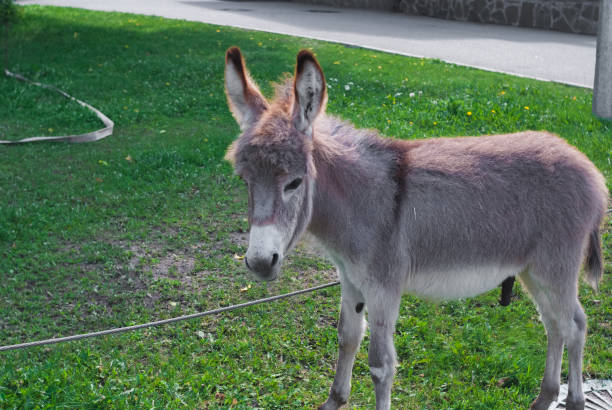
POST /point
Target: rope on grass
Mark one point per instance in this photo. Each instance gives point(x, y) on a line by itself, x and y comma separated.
point(87, 137)
point(165, 321)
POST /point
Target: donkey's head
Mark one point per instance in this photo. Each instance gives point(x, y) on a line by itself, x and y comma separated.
point(273, 155)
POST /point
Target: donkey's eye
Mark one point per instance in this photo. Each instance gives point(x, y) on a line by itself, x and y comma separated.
point(293, 184)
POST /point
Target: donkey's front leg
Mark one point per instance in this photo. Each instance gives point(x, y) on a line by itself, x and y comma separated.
point(383, 310)
point(350, 332)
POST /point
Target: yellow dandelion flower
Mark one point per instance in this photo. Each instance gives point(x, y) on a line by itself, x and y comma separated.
point(411, 123)
point(260, 44)
point(218, 31)
point(469, 113)
point(435, 122)
point(336, 62)
point(503, 92)
point(526, 107)
point(493, 111)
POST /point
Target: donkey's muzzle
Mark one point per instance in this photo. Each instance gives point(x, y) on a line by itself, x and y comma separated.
point(264, 268)
point(264, 255)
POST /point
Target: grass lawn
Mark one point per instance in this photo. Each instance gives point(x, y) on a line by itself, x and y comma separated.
point(145, 224)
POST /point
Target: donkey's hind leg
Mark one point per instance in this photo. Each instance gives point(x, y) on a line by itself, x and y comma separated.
point(555, 295)
point(574, 340)
point(350, 332)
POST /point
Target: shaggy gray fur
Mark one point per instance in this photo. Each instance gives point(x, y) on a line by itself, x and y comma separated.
point(441, 218)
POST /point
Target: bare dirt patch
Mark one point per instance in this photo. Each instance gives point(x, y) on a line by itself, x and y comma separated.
point(158, 264)
point(177, 264)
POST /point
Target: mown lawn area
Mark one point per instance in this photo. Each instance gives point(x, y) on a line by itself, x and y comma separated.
point(146, 224)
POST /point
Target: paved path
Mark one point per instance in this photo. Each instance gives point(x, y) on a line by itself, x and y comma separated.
point(546, 55)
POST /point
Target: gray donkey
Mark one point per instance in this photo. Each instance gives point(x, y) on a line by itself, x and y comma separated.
point(441, 218)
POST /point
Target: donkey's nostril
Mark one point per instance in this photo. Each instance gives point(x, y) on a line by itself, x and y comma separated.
point(274, 259)
point(246, 262)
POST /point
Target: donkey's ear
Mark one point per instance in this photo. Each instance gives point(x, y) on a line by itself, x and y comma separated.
point(243, 96)
point(310, 91)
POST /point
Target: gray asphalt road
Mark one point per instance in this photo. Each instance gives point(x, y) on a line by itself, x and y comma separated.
point(545, 55)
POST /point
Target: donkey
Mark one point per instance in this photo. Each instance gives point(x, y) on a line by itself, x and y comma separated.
point(441, 218)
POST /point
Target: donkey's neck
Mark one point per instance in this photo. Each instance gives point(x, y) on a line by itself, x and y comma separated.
point(355, 188)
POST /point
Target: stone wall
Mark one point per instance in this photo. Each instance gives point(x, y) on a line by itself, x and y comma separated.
point(573, 16)
point(391, 5)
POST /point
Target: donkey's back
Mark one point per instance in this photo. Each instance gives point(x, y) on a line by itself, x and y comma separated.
point(477, 210)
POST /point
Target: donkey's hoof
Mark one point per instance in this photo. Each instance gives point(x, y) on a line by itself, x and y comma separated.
point(541, 403)
point(334, 402)
point(574, 405)
point(329, 405)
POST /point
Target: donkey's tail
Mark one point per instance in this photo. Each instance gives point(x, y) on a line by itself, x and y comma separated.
point(594, 262)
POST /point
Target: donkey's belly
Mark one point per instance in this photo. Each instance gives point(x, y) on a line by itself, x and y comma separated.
point(458, 283)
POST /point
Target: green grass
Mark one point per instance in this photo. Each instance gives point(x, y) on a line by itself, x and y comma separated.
point(145, 224)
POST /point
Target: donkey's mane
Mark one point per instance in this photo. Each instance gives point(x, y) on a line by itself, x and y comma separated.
point(272, 137)
point(283, 93)
point(334, 140)
point(275, 120)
